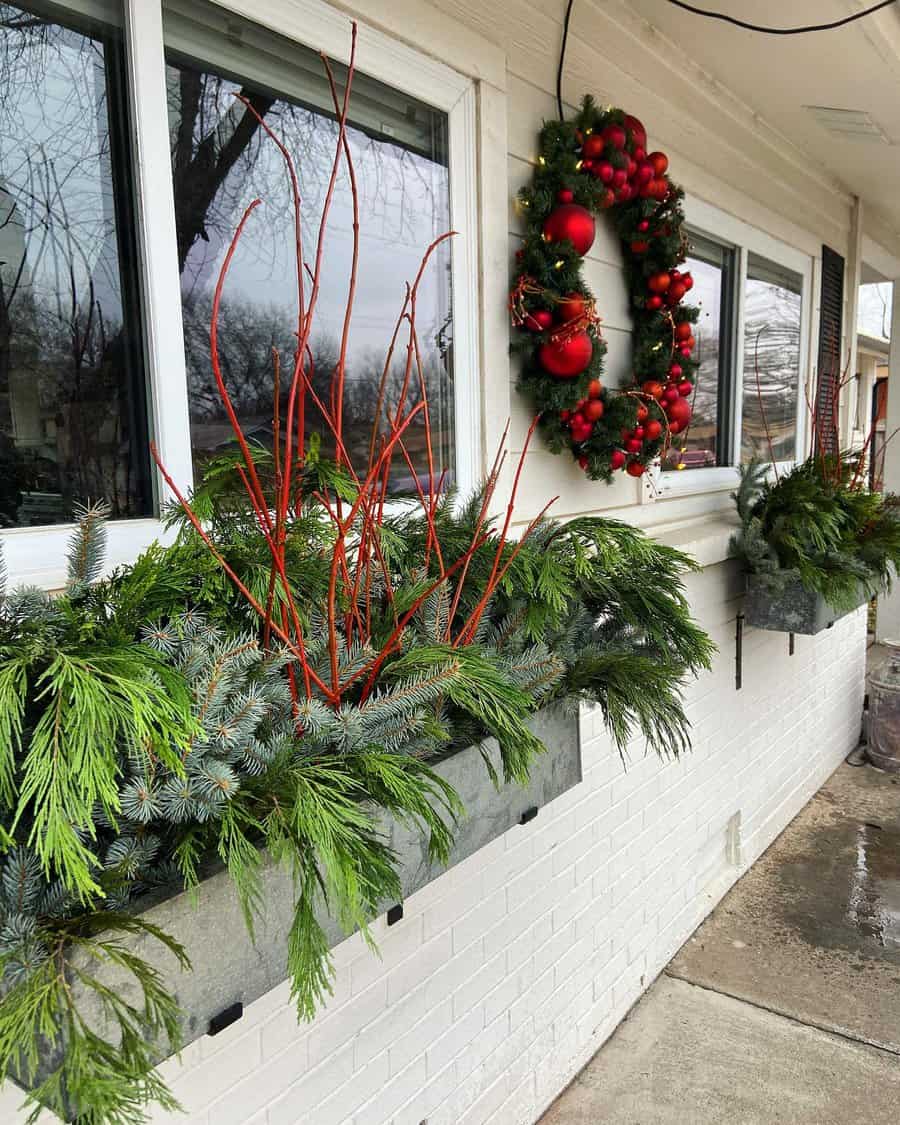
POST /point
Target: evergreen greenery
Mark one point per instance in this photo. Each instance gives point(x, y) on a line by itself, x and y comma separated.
point(818, 525)
point(150, 732)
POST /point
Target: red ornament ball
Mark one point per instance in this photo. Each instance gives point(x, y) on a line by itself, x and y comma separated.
point(679, 414)
point(683, 330)
point(604, 172)
point(539, 320)
point(687, 281)
point(637, 130)
point(685, 351)
point(633, 445)
point(565, 196)
point(593, 410)
point(593, 146)
point(652, 389)
point(654, 303)
point(566, 358)
point(595, 388)
point(636, 469)
point(658, 282)
point(643, 226)
point(652, 430)
point(642, 412)
point(619, 177)
point(670, 394)
point(617, 459)
point(675, 370)
point(660, 163)
point(685, 388)
point(677, 291)
point(571, 222)
point(615, 134)
point(607, 199)
point(571, 307)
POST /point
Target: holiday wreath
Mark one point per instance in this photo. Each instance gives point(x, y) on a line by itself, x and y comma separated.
point(599, 162)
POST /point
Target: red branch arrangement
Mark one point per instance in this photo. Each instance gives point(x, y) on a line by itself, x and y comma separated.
point(357, 564)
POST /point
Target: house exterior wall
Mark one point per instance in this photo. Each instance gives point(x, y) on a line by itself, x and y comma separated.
point(508, 973)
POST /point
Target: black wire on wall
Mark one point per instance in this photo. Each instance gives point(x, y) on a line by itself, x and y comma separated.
point(780, 30)
point(723, 18)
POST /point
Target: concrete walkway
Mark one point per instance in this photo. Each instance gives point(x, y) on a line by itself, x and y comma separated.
point(785, 1005)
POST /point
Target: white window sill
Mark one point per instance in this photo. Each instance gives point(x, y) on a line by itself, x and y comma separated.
point(704, 538)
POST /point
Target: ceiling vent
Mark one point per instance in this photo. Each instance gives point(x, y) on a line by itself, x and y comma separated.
point(852, 124)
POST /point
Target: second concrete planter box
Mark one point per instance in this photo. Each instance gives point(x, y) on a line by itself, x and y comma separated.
point(231, 968)
point(791, 610)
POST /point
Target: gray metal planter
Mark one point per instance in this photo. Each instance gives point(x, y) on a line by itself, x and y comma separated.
point(791, 610)
point(229, 968)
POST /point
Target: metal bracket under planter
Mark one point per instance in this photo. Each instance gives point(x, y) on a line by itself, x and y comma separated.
point(229, 968)
point(794, 609)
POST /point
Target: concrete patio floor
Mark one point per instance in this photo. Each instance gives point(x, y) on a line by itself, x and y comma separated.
point(785, 1004)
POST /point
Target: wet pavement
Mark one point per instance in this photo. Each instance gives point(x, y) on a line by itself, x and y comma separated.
point(785, 1004)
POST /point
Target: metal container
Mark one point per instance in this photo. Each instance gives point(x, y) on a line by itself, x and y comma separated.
point(884, 712)
point(794, 609)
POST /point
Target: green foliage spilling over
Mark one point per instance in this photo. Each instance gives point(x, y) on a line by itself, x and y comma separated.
point(818, 524)
point(150, 730)
point(653, 240)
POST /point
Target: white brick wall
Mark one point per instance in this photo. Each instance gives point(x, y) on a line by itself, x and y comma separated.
point(509, 972)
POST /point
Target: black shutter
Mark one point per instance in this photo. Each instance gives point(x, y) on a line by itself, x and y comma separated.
point(829, 366)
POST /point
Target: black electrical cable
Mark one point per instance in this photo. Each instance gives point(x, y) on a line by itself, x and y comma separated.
point(780, 30)
point(562, 59)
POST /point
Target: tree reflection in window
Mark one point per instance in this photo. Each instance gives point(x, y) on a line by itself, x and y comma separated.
point(771, 382)
point(72, 394)
point(222, 160)
point(711, 265)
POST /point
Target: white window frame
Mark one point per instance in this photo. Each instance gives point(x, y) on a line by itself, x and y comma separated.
point(36, 555)
point(745, 239)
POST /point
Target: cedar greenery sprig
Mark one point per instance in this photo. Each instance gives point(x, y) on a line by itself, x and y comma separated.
point(820, 525)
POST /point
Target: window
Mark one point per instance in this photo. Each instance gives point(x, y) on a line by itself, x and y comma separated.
point(72, 388)
point(753, 295)
point(773, 299)
point(706, 444)
point(222, 159)
point(125, 163)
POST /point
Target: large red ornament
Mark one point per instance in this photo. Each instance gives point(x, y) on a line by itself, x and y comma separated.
point(636, 469)
point(679, 414)
point(571, 307)
point(593, 147)
point(658, 282)
point(571, 222)
point(617, 459)
point(660, 163)
point(683, 330)
point(637, 130)
point(568, 357)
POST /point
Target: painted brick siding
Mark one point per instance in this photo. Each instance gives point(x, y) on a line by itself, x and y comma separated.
point(509, 972)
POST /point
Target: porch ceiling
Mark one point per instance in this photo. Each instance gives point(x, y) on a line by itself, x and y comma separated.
point(856, 67)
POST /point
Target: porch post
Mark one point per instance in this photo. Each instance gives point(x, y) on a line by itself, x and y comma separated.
point(888, 625)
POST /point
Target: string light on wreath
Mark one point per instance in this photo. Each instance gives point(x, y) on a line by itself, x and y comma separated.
point(600, 162)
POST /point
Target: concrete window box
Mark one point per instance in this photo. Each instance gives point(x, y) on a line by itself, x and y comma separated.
point(231, 968)
point(792, 610)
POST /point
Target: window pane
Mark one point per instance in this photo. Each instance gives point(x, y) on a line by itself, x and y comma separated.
point(710, 266)
point(222, 160)
point(772, 310)
point(72, 392)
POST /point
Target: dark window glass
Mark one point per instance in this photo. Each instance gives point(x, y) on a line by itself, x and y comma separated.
point(772, 311)
point(705, 444)
point(72, 391)
point(222, 160)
